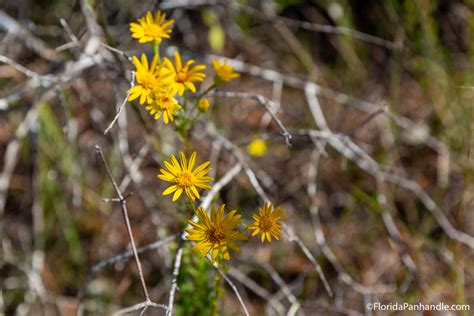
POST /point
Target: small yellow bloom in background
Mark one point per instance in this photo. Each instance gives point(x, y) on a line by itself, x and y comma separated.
point(224, 71)
point(164, 103)
point(185, 178)
point(215, 234)
point(149, 78)
point(149, 29)
point(268, 222)
point(203, 105)
point(184, 76)
point(257, 147)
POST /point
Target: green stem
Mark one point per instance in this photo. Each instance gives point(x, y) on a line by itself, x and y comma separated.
point(214, 85)
point(218, 293)
point(185, 98)
point(193, 206)
point(194, 119)
point(156, 49)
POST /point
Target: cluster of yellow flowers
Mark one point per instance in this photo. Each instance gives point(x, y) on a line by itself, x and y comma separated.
point(161, 82)
point(164, 86)
point(218, 232)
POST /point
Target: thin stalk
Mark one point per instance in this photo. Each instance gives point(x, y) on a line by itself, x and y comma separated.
point(218, 293)
point(156, 49)
point(123, 205)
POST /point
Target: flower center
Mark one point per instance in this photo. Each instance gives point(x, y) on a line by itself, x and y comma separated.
point(148, 81)
point(181, 77)
point(266, 223)
point(167, 104)
point(153, 30)
point(215, 235)
point(185, 179)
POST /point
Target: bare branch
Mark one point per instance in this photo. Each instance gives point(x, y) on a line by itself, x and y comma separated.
point(93, 27)
point(284, 287)
point(126, 255)
point(292, 237)
point(118, 258)
point(313, 27)
point(321, 240)
point(345, 146)
point(230, 174)
point(117, 51)
point(140, 306)
point(342, 98)
point(122, 106)
point(68, 30)
point(11, 155)
point(28, 72)
point(431, 205)
point(174, 278)
point(267, 103)
point(234, 288)
point(74, 40)
point(123, 205)
point(11, 26)
point(365, 121)
point(256, 288)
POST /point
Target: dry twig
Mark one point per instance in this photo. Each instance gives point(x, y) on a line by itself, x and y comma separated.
point(123, 204)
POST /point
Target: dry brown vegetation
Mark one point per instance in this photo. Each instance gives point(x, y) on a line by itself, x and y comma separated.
point(370, 152)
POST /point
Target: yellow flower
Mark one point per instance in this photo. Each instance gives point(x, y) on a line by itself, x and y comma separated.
point(149, 78)
point(224, 71)
point(184, 76)
point(185, 178)
point(215, 233)
point(164, 103)
point(151, 30)
point(257, 147)
point(203, 105)
point(268, 222)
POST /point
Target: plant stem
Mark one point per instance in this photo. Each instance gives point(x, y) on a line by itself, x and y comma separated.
point(213, 86)
point(156, 49)
point(217, 294)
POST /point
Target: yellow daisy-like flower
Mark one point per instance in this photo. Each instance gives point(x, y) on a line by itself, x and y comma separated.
point(149, 29)
point(268, 222)
point(149, 79)
point(257, 147)
point(185, 178)
point(224, 71)
point(216, 233)
point(164, 103)
point(184, 76)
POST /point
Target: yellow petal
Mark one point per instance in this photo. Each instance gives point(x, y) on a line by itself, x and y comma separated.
point(177, 194)
point(192, 161)
point(170, 190)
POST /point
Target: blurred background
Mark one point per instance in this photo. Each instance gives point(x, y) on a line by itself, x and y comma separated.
point(378, 181)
